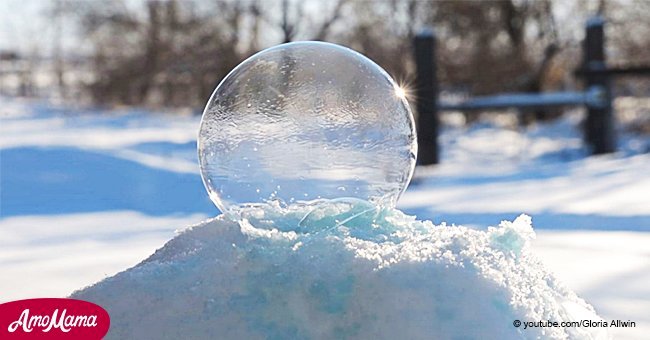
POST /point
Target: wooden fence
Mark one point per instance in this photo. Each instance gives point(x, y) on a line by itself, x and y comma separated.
point(599, 131)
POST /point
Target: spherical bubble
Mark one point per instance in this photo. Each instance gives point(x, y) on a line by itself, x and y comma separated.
point(303, 122)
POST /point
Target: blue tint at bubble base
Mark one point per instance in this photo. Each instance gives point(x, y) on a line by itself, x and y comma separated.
point(306, 121)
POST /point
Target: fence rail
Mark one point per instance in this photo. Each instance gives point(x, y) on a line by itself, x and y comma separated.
point(593, 97)
point(642, 71)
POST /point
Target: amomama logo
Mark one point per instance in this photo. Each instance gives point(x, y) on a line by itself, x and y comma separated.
point(53, 319)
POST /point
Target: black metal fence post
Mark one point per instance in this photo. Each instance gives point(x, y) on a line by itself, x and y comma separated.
point(599, 125)
point(427, 98)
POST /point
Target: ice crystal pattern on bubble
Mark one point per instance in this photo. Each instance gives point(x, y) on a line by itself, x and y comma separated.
point(304, 122)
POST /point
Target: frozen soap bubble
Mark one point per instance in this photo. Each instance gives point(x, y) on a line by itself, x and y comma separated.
point(304, 122)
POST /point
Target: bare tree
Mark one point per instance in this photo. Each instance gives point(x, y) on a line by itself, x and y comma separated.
point(325, 27)
point(171, 52)
point(289, 28)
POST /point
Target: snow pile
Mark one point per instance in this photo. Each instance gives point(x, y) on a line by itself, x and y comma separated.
point(339, 270)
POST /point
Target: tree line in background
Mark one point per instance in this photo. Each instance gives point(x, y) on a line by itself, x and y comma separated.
point(173, 53)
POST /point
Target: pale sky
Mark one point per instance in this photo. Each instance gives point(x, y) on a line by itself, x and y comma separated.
point(24, 25)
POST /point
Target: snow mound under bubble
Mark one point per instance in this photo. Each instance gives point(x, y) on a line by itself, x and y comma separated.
point(339, 270)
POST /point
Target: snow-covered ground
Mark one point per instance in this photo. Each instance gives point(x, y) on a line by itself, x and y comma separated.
point(84, 196)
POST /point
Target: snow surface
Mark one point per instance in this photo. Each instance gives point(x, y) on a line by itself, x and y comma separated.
point(324, 275)
point(84, 195)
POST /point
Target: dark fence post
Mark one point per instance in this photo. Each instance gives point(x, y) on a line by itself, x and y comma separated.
point(599, 125)
point(426, 95)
